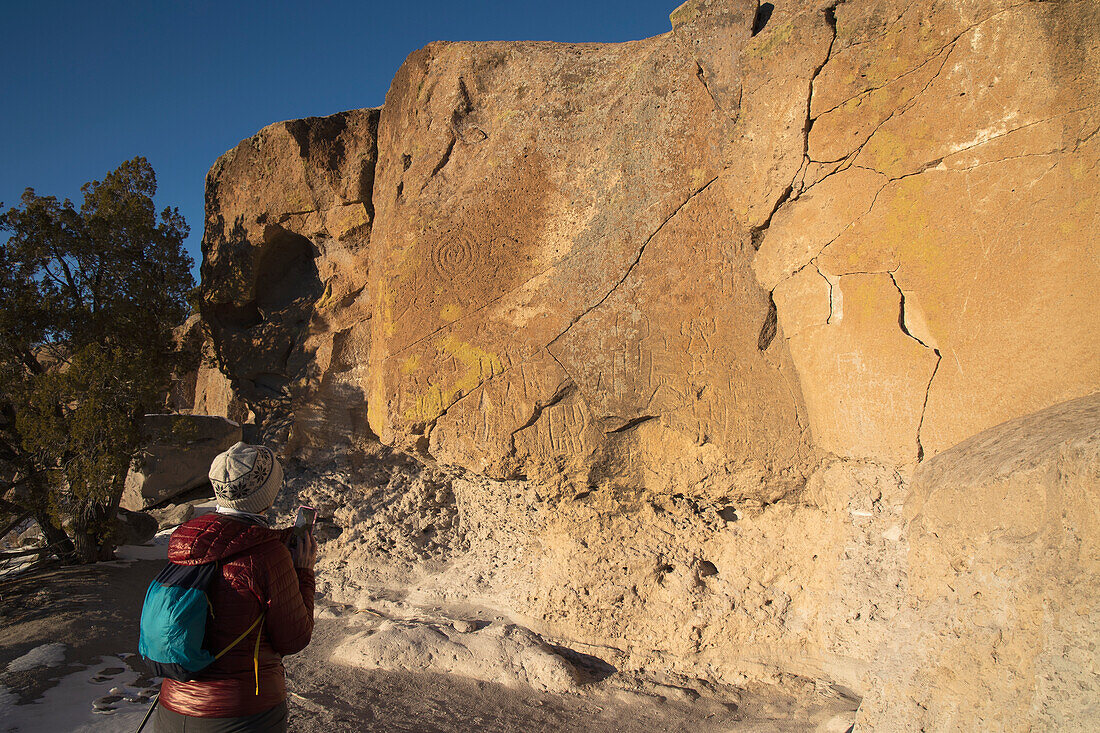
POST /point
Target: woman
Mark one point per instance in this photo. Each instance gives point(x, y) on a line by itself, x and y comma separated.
point(264, 592)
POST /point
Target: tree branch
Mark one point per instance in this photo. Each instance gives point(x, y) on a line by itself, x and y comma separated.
point(9, 506)
point(19, 519)
point(73, 289)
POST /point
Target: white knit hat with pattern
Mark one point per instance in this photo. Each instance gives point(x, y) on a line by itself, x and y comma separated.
point(246, 478)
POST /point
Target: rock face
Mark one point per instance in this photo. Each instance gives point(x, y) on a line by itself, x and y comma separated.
point(205, 390)
point(535, 293)
point(947, 183)
point(177, 457)
point(681, 351)
point(289, 213)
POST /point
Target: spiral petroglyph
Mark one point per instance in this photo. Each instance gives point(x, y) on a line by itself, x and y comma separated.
point(459, 258)
point(456, 256)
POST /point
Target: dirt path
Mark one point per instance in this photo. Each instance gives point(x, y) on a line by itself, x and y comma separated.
point(93, 611)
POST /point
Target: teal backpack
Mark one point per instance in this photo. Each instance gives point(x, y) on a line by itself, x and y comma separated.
point(173, 623)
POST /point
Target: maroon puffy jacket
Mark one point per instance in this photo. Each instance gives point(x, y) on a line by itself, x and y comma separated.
point(257, 575)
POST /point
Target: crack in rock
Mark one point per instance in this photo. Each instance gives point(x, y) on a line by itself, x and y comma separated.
point(947, 49)
point(701, 76)
point(757, 234)
point(442, 162)
point(570, 256)
point(836, 301)
point(564, 389)
point(830, 19)
point(637, 259)
point(567, 387)
point(770, 327)
point(458, 123)
point(901, 109)
point(937, 164)
point(1024, 126)
point(928, 59)
point(871, 90)
point(924, 407)
point(935, 369)
point(629, 424)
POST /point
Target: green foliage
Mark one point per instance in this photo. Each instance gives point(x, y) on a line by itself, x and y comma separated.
point(88, 301)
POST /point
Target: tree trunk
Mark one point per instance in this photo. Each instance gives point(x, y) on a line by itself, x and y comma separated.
point(93, 533)
point(85, 543)
point(55, 536)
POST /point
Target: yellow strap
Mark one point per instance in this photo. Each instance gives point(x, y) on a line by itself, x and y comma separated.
point(256, 663)
point(237, 641)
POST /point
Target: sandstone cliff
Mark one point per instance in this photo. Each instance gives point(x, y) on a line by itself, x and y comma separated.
point(288, 216)
point(708, 354)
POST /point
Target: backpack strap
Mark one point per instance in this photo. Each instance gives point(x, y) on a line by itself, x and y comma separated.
point(255, 651)
point(240, 638)
point(256, 660)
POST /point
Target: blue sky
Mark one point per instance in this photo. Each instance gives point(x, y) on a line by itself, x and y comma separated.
point(86, 85)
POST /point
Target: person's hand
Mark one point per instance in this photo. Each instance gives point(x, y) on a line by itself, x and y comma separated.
point(304, 552)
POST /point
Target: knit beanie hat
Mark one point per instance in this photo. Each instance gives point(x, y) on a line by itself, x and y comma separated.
point(246, 478)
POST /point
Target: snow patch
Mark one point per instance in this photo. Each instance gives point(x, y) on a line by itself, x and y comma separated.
point(47, 655)
point(69, 705)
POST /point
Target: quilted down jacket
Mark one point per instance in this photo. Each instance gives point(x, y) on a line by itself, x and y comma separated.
point(257, 576)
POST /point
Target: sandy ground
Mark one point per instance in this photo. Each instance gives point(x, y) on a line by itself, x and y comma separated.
point(88, 617)
point(329, 698)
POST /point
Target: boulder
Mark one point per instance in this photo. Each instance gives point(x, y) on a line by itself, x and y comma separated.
point(172, 515)
point(177, 456)
point(1001, 625)
point(133, 528)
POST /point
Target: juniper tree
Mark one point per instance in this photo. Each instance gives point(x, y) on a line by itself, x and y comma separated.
point(88, 301)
